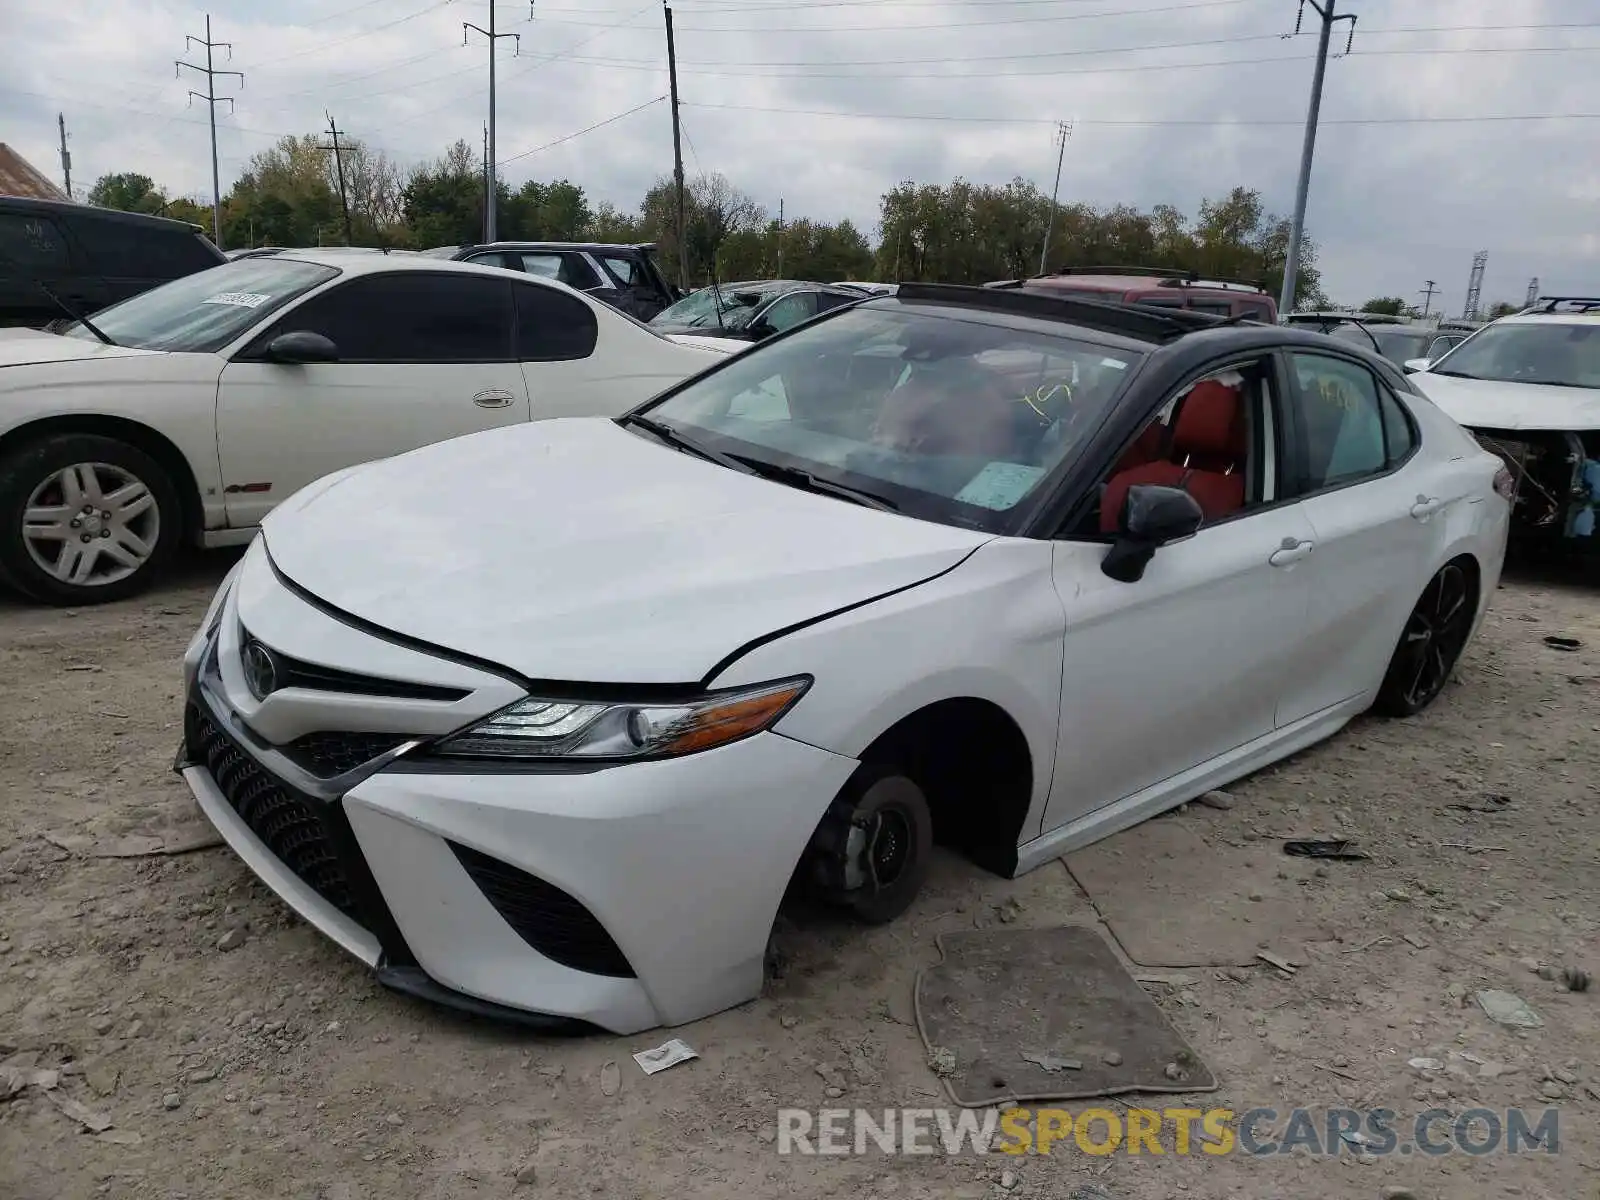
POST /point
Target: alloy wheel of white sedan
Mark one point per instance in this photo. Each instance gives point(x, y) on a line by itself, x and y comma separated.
point(91, 523)
point(1003, 572)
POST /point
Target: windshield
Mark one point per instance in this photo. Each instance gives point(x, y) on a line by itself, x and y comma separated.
point(699, 309)
point(206, 311)
point(1552, 352)
point(1396, 345)
point(441, 252)
point(952, 417)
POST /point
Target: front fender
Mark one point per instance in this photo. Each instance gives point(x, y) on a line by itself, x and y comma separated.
point(990, 629)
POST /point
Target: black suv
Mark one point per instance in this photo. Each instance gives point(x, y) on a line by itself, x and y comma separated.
point(624, 276)
point(90, 257)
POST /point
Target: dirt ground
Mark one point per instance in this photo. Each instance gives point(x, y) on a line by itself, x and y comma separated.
point(276, 1068)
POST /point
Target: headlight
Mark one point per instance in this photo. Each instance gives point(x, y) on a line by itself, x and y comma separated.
point(214, 613)
point(543, 728)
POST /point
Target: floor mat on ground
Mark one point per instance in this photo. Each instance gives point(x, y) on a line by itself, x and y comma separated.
point(1015, 1015)
point(1174, 894)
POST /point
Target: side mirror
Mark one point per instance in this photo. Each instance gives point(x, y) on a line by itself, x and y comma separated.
point(302, 346)
point(1413, 365)
point(1151, 516)
point(761, 331)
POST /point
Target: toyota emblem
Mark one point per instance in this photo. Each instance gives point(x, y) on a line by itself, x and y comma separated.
point(260, 670)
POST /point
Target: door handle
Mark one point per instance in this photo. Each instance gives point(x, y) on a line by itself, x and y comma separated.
point(1291, 552)
point(493, 398)
point(1426, 506)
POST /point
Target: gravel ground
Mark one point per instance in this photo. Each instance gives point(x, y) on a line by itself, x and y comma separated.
point(236, 1053)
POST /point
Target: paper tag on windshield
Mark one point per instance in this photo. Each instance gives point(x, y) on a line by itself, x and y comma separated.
point(999, 485)
point(238, 299)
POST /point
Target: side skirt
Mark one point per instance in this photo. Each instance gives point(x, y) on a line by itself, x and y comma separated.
point(1179, 789)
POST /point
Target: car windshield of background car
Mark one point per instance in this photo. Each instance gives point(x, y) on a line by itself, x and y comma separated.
point(699, 310)
point(204, 312)
point(952, 418)
point(1558, 353)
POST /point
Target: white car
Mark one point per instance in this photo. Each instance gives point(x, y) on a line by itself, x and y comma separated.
point(545, 722)
point(1528, 387)
point(186, 413)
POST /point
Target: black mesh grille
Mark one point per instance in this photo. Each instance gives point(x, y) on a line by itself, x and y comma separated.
point(555, 924)
point(287, 823)
point(333, 753)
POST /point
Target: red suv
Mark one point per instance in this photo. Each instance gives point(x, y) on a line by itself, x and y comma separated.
point(1152, 286)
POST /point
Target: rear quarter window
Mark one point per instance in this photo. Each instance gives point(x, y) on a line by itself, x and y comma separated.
point(124, 250)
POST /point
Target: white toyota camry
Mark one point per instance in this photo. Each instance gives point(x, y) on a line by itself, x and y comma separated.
point(546, 721)
point(186, 413)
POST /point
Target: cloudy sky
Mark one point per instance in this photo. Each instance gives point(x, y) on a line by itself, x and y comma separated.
point(825, 103)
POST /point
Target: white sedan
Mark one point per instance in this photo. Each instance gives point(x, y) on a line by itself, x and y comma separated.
point(545, 722)
point(188, 412)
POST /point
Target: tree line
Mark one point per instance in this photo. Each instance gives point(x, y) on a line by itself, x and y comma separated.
point(960, 232)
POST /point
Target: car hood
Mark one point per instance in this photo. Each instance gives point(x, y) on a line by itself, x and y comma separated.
point(717, 345)
point(576, 550)
point(1489, 404)
point(29, 347)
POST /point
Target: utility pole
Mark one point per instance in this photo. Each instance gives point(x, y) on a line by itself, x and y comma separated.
point(677, 148)
point(1427, 296)
point(780, 237)
point(66, 155)
point(338, 161)
point(487, 190)
point(490, 197)
point(211, 98)
point(1291, 267)
point(1063, 135)
point(1533, 293)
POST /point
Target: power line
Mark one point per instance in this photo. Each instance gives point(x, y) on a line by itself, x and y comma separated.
point(1130, 69)
point(584, 130)
point(538, 63)
point(329, 45)
point(211, 98)
point(899, 27)
point(1140, 123)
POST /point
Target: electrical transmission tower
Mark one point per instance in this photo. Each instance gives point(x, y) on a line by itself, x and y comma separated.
point(1533, 292)
point(212, 99)
point(1427, 295)
point(1475, 286)
point(490, 201)
point(1291, 266)
point(338, 162)
point(1063, 136)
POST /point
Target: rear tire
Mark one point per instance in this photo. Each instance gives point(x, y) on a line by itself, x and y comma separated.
point(1435, 634)
point(85, 519)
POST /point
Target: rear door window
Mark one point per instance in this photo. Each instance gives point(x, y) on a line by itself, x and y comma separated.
point(552, 325)
point(570, 269)
point(123, 250)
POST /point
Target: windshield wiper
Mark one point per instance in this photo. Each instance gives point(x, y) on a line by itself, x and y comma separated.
point(63, 305)
point(805, 479)
point(75, 314)
point(677, 441)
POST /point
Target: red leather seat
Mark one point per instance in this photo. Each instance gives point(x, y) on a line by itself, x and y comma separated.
point(1146, 448)
point(1209, 445)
